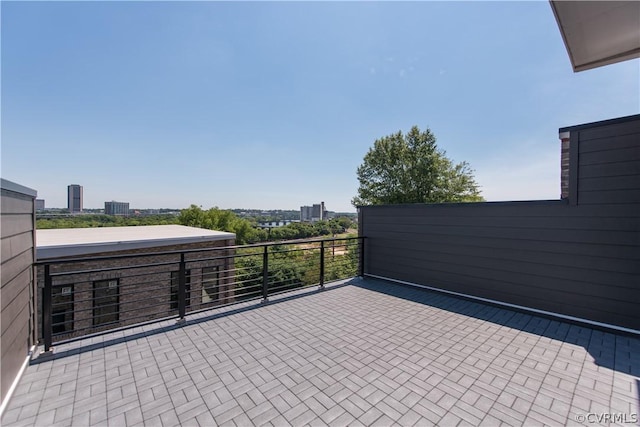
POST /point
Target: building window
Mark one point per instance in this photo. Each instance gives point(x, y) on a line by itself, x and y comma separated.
point(210, 284)
point(175, 277)
point(62, 309)
point(106, 301)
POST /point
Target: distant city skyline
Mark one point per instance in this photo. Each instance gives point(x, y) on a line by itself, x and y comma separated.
point(75, 196)
point(275, 104)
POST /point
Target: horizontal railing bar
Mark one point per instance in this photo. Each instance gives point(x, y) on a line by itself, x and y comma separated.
point(84, 310)
point(154, 273)
point(275, 289)
point(243, 282)
point(162, 275)
point(296, 289)
point(229, 282)
point(187, 251)
point(131, 267)
point(257, 297)
point(61, 323)
point(162, 287)
point(243, 294)
point(109, 330)
point(99, 270)
point(146, 289)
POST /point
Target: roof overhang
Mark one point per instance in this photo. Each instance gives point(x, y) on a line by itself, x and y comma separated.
point(598, 33)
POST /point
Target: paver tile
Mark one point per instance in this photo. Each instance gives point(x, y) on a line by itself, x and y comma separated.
point(369, 353)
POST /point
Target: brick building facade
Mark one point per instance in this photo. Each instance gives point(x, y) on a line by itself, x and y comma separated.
point(107, 278)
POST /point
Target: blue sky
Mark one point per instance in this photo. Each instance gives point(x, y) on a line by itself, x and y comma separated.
point(274, 104)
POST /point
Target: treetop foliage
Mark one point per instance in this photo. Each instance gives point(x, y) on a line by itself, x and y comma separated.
point(412, 169)
point(93, 220)
point(217, 219)
point(246, 230)
point(226, 220)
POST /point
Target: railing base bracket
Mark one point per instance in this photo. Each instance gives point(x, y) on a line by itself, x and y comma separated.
point(46, 354)
point(181, 321)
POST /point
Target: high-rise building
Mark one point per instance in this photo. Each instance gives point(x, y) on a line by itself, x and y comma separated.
point(313, 213)
point(39, 204)
point(116, 208)
point(74, 198)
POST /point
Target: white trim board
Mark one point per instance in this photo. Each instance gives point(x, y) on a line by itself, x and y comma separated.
point(514, 306)
point(16, 380)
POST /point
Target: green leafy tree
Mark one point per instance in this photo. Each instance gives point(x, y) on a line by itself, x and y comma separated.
point(248, 274)
point(336, 227)
point(219, 219)
point(90, 221)
point(412, 169)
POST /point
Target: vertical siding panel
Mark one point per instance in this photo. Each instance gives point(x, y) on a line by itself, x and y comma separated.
point(18, 255)
point(614, 152)
point(539, 254)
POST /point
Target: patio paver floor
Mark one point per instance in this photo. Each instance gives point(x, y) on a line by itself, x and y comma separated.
point(364, 352)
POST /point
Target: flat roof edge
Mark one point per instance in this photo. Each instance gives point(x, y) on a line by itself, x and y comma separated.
point(58, 251)
point(607, 122)
point(562, 34)
point(456, 204)
point(17, 188)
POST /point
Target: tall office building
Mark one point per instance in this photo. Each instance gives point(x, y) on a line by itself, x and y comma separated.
point(313, 213)
point(116, 208)
point(39, 204)
point(74, 198)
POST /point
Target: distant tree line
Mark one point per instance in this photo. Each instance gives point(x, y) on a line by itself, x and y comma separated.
point(289, 267)
point(303, 230)
point(268, 215)
point(96, 220)
point(246, 230)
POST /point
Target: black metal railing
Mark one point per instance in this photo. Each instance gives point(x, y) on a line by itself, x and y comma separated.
point(89, 295)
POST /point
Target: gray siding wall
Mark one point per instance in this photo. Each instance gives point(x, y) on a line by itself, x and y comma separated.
point(609, 164)
point(17, 224)
point(578, 257)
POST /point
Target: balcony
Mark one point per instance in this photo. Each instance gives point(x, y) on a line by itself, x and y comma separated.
point(517, 313)
point(362, 352)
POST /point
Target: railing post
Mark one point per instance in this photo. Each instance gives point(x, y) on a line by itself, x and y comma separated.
point(361, 256)
point(322, 264)
point(47, 329)
point(182, 288)
point(265, 274)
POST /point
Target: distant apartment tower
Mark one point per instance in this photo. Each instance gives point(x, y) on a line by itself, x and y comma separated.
point(39, 204)
point(74, 198)
point(313, 213)
point(116, 208)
